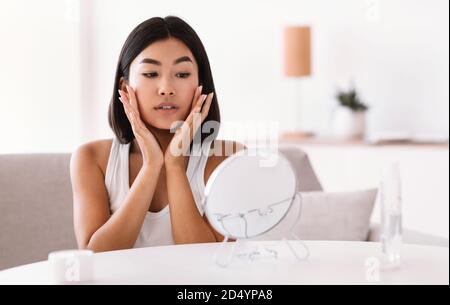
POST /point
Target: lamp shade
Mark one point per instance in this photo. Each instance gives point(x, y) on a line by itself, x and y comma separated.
point(297, 51)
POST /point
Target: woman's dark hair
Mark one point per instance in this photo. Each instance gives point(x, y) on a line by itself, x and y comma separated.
point(142, 36)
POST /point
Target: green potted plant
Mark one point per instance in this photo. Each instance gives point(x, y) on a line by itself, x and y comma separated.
point(349, 117)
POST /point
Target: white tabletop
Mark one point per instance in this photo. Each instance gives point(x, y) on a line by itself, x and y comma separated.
point(330, 262)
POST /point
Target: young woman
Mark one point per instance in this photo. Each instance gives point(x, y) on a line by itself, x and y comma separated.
point(142, 188)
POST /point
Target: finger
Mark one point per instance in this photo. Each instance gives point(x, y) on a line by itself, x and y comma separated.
point(127, 103)
point(203, 113)
point(123, 94)
point(125, 106)
point(137, 121)
point(197, 94)
point(190, 117)
point(133, 123)
point(132, 98)
point(191, 120)
point(140, 123)
point(207, 105)
point(200, 102)
point(195, 110)
point(129, 112)
point(200, 106)
point(124, 99)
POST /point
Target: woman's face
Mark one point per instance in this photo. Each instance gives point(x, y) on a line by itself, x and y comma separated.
point(164, 72)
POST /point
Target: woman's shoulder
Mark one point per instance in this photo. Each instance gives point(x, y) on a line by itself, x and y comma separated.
point(95, 152)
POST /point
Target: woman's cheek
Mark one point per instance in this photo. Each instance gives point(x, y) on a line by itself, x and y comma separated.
point(190, 92)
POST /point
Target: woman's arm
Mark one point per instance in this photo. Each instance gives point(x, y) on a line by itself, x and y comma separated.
point(95, 228)
point(188, 226)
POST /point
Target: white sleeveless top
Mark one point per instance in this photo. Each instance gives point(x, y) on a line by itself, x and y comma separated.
point(156, 229)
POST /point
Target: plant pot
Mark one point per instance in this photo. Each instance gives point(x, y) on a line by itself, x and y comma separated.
point(348, 124)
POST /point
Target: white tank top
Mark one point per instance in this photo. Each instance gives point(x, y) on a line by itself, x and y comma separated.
point(156, 229)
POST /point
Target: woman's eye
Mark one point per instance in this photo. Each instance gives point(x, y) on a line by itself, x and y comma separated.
point(150, 74)
point(155, 74)
point(183, 75)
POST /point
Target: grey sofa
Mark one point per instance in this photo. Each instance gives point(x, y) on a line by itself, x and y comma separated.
point(35, 207)
point(36, 204)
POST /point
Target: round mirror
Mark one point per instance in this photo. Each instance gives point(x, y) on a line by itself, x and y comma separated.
point(250, 193)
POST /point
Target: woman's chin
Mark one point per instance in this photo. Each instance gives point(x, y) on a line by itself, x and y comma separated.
point(165, 125)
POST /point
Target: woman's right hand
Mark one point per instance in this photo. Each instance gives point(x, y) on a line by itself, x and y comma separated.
point(150, 148)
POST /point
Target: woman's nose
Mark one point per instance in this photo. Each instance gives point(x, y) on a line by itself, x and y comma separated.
point(166, 90)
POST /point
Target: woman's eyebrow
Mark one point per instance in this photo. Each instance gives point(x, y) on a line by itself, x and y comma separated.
point(158, 63)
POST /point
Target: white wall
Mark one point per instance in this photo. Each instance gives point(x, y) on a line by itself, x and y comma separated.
point(395, 51)
point(40, 76)
point(58, 60)
point(424, 178)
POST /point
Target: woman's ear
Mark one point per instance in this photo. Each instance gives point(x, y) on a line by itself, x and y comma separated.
point(122, 84)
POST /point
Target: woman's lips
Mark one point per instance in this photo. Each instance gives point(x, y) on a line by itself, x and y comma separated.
point(167, 111)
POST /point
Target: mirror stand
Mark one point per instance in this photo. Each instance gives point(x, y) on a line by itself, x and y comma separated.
point(222, 259)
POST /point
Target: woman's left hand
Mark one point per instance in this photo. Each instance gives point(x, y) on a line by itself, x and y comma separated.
point(180, 143)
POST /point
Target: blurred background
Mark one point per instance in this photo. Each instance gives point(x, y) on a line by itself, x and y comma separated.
point(58, 59)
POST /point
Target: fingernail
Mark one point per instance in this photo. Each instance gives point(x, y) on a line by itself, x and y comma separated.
point(201, 87)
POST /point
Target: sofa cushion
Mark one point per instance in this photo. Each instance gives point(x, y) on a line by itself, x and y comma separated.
point(329, 216)
point(307, 180)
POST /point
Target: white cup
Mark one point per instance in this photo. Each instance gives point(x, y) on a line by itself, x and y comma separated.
point(71, 266)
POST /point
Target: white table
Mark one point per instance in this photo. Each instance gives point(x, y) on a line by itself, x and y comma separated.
point(330, 262)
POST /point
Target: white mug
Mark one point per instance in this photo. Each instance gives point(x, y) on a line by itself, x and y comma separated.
point(71, 266)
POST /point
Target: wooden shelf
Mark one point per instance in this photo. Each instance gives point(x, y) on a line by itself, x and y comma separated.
point(300, 138)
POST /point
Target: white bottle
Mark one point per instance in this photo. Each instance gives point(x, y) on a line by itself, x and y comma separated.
point(391, 213)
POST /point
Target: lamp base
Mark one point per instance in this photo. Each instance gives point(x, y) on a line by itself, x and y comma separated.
point(303, 134)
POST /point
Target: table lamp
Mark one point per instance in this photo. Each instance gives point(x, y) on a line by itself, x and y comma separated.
point(297, 64)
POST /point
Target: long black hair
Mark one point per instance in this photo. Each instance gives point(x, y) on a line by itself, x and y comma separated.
point(142, 36)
